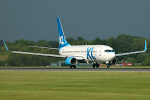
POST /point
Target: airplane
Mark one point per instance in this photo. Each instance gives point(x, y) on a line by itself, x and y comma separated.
point(82, 53)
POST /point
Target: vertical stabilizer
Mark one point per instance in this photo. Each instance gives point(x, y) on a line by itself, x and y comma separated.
point(62, 39)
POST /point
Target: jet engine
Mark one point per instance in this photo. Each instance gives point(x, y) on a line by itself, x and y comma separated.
point(71, 61)
point(114, 61)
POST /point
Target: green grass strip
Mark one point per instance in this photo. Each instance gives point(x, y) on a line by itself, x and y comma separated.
point(43, 85)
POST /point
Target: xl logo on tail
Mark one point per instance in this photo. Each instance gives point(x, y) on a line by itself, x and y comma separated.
point(61, 40)
point(90, 54)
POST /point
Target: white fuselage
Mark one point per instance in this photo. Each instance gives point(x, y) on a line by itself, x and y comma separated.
point(90, 53)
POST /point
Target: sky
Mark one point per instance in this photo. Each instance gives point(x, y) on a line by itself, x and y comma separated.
point(36, 19)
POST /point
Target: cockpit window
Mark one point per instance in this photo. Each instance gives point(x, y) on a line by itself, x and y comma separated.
point(109, 51)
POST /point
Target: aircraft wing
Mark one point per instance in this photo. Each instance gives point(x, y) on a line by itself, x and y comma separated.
point(40, 54)
point(128, 53)
point(44, 47)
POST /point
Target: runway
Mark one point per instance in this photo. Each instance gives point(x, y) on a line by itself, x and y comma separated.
point(78, 69)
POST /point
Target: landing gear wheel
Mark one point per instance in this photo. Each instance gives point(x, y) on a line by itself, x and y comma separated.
point(72, 66)
point(97, 65)
point(107, 66)
point(94, 65)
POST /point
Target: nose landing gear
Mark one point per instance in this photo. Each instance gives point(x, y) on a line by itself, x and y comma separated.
point(107, 65)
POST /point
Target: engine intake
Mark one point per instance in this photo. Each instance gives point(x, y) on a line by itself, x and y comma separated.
point(71, 61)
point(114, 61)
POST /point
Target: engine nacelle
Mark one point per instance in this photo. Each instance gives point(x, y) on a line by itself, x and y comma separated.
point(71, 61)
point(114, 61)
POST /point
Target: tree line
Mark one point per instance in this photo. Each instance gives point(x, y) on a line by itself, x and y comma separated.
point(121, 44)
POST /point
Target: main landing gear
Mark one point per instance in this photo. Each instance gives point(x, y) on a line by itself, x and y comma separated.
point(95, 64)
point(72, 66)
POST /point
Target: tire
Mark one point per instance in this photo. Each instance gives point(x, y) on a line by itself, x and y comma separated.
point(97, 65)
point(74, 66)
point(94, 65)
point(107, 66)
point(70, 66)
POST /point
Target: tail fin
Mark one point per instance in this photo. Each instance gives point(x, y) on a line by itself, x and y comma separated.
point(62, 39)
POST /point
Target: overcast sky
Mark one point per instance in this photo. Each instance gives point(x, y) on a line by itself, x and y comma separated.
point(36, 19)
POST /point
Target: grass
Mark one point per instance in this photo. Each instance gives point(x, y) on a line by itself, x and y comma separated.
point(41, 85)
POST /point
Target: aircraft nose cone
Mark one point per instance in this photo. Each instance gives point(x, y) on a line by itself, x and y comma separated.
point(112, 56)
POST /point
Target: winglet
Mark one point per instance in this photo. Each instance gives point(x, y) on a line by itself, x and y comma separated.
point(6, 46)
point(145, 46)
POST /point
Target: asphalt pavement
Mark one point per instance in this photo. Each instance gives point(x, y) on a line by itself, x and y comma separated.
point(78, 69)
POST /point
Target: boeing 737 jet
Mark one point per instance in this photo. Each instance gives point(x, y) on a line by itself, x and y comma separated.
point(82, 53)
